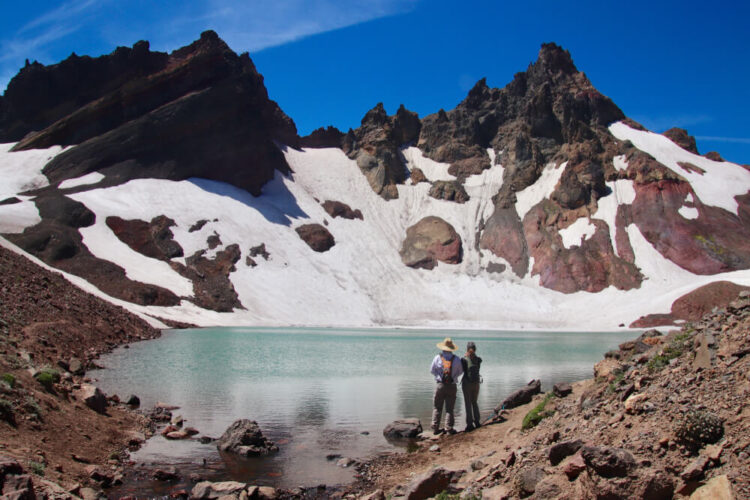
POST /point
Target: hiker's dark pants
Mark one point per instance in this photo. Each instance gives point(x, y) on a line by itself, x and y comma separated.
point(444, 394)
point(471, 394)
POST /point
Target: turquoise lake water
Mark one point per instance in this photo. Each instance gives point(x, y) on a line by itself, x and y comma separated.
point(322, 391)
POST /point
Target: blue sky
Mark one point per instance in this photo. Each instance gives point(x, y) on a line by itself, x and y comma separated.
point(327, 62)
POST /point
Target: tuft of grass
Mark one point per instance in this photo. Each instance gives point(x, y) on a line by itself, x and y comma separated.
point(444, 495)
point(9, 379)
point(619, 377)
point(48, 377)
point(32, 407)
point(538, 414)
point(37, 467)
point(675, 349)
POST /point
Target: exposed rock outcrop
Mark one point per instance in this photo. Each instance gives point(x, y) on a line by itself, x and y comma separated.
point(329, 137)
point(431, 240)
point(153, 239)
point(376, 147)
point(681, 137)
point(130, 121)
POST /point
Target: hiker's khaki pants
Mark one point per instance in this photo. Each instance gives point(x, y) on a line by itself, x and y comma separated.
point(444, 394)
point(471, 395)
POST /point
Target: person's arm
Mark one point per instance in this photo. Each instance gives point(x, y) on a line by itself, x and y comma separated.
point(457, 369)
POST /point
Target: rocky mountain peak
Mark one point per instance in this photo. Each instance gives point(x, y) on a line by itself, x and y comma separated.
point(553, 60)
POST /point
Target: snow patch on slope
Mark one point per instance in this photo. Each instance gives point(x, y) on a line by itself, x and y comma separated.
point(84, 180)
point(22, 170)
point(433, 170)
point(719, 185)
point(578, 232)
point(541, 189)
point(622, 193)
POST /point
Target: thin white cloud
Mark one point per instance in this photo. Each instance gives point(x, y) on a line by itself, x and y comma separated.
point(65, 12)
point(661, 123)
point(259, 24)
point(712, 138)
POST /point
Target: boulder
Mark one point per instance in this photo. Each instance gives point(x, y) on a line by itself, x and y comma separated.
point(75, 366)
point(694, 471)
point(428, 484)
point(375, 495)
point(449, 191)
point(562, 389)
point(608, 462)
point(431, 240)
point(166, 474)
point(559, 451)
point(133, 401)
point(339, 209)
point(521, 396)
point(574, 466)
point(528, 478)
point(717, 488)
point(316, 236)
point(209, 490)
point(404, 428)
point(93, 398)
point(656, 485)
point(244, 438)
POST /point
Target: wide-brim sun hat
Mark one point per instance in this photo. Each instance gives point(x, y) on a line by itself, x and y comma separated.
point(447, 345)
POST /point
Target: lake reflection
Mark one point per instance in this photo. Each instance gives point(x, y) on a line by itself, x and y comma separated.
point(319, 391)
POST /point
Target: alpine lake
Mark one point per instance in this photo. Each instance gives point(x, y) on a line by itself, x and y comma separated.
point(318, 393)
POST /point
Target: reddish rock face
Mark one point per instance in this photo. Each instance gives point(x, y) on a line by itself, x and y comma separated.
point(503, 236)
point(692, 306)
point(316, 236)
point(431, 240)
point(717, 241)
point(329, 137)
point(152, 239)
point(592, 266)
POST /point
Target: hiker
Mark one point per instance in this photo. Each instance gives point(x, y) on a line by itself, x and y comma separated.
point(470, 385)
point(446, 368)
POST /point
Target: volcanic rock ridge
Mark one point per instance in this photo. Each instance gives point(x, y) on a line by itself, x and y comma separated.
point(543, 184)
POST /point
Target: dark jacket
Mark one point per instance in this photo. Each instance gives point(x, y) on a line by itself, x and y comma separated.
point(471, 374)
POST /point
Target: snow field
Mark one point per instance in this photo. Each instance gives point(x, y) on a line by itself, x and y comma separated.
point(719, 185)
point(361, 281)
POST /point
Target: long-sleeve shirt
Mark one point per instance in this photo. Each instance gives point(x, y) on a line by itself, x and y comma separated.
point(437, 367)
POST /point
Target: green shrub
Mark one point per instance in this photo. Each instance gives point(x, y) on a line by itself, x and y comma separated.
point(37, 467)
point(48, 377)
point(6, 412)
point(9, 379)
point(699, 428)
point(674, 350)
point(538, 414)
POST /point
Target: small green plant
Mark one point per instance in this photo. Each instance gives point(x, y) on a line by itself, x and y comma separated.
point(674, 350)
point(37, 467)
point(538, 414)
point(32, 407)
point(619, 377)
point(48, 377)
point(6, 412)
point(9, 379)
point(699, 428)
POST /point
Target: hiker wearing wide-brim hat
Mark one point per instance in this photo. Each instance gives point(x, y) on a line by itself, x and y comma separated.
point(446, 368)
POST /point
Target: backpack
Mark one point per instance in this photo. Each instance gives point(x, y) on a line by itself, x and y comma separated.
point(447, 377)
point(472, 369)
